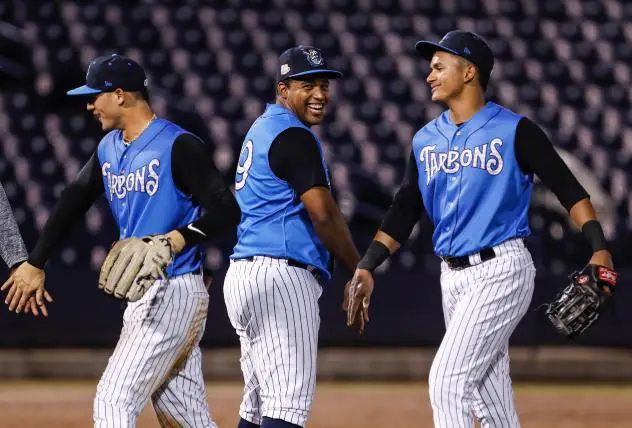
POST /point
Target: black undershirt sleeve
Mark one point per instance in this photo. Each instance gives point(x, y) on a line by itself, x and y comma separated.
point(407, 207)
point(75, 200)
point(195, 174)
point(535, 155)
point(294, 157)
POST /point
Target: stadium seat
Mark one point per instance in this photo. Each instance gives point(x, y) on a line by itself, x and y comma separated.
point(563, 64)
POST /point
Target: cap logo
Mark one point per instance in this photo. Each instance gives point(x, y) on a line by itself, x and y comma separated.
point(285, 69)
point(467, 51)
point(146, 82)
point(313, 56)
point(107, 84)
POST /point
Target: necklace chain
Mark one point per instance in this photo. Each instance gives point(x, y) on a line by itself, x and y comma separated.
point(153, 117)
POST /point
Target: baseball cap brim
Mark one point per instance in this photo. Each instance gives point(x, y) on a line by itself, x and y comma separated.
point(330, 74)
point(427, 49)
point(83, 90)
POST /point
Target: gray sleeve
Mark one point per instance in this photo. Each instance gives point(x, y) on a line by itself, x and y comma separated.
point(12, 248)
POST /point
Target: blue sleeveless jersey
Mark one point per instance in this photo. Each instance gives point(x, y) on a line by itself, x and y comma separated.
point(141, 192)
point(471, 184)
point(274, 221)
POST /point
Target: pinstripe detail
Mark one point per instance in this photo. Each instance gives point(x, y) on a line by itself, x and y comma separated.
point(158, 357)
point(482, 307)
point(274, 310)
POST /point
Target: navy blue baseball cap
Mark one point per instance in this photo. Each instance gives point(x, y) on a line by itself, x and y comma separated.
point(465, 44)
point(108, 73)
point(303, 61)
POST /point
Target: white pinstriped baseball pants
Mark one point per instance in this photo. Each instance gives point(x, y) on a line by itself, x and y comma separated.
point(274, 310)
point(482, 306)
point(158, 357)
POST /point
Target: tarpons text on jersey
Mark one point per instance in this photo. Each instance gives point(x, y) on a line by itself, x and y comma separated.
point(144, 179)
point(486, 157)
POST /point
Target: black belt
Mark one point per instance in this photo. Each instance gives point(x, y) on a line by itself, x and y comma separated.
point(295, 263)
point(462, 262)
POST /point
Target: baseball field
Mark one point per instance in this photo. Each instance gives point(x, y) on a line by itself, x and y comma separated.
point(338, 405)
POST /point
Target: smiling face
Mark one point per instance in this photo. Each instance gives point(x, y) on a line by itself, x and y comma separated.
point(307, 99)
point(106, 108)
point(449, 74)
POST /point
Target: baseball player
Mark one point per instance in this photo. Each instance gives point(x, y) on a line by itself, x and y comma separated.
point(290, 224)
point(471, 171)
point(156, 178)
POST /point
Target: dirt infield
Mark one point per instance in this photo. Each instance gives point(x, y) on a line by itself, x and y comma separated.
point(337, 405)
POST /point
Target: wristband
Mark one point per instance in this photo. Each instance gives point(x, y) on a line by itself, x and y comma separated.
point(594, 234)
point(374, 256)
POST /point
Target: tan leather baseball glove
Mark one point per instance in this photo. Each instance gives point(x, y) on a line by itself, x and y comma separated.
point(133, 265)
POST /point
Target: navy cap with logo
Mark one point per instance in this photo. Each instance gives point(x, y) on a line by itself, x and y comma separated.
point(108, 73)
point(304, 61)
point(465, 44)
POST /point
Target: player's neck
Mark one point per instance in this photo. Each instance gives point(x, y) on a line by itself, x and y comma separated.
point(280, 101)
point(464, 107)
point(136, 121)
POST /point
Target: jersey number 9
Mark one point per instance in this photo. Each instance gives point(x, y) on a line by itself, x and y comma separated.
point(244, 164)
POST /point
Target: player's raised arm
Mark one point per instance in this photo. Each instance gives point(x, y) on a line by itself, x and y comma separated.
point(28, 279)
point(195, 174)
point(405, 210)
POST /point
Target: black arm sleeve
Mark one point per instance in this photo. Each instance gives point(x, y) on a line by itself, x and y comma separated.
point(195, 174)
point(294, 157)
point(73, 203)
point(535, 155)
point(407, 207)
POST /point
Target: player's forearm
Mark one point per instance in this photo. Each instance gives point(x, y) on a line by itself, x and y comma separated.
point(381, 248)
point(402, 215)
point(334, 233)
point(388, 241)
point(584, 217)
point(407, 207)
point(222, 214)
point(582, 212)
point(12, 248)
point(330, 225)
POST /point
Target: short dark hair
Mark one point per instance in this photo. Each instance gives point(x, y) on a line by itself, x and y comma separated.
point(142, 94)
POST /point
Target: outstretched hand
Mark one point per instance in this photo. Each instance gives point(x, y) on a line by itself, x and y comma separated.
point(358, 298)
point(25, 290)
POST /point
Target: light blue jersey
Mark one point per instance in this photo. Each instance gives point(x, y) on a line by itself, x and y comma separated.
point(141, 192)
point(472, 186)
point(274, 221)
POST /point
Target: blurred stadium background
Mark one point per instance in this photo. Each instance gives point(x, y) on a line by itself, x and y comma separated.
point(565, 64)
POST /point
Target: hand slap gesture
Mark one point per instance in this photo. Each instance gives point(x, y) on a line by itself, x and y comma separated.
point(26, 283)
point(358, 298)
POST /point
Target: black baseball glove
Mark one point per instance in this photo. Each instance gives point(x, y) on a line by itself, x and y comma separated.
point(578, 305)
